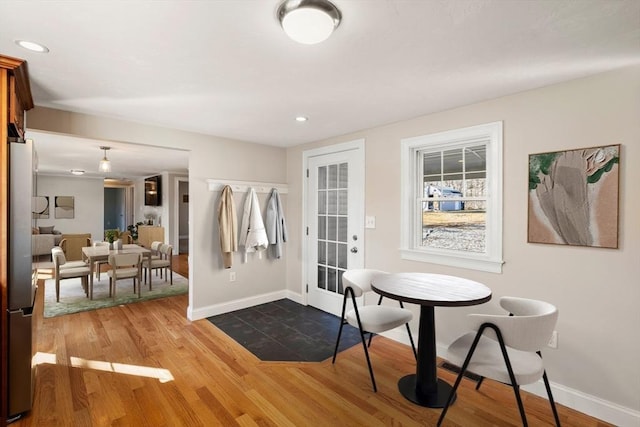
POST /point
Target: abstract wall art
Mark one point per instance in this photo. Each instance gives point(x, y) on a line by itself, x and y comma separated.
point(40, 207)
point(573, 197)
point(64, 207)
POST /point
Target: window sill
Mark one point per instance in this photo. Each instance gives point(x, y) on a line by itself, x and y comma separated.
point(453, 259)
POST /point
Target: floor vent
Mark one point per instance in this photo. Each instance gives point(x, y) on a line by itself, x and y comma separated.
point(455, 369)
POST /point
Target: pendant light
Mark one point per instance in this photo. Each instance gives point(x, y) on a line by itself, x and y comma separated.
point(105, 164)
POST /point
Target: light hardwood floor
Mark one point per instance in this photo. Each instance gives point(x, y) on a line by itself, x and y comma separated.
point(145, 364)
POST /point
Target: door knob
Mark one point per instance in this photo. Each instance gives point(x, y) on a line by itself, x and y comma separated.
point(354, 250)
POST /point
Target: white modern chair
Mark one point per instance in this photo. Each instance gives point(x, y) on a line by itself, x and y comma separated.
point(506, 348)
point(68, 270)
point(369, 318)
point(124, 266)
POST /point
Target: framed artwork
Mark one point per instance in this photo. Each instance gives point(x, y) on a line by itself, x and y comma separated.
point(40, 207)
point(573, 197)
point(64, 207)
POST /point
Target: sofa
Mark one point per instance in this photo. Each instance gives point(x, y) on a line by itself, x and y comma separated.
point(43, 239)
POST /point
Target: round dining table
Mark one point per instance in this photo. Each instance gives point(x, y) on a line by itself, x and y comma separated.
point(429, 290)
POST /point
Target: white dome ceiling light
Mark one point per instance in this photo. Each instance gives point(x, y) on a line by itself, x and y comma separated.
point(308, 21)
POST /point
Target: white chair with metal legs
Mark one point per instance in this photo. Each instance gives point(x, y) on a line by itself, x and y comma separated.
point(68, 270)
point(370, 319)
point(165, 262)
point(506, 348)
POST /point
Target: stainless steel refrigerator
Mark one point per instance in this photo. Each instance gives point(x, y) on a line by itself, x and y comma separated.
point(22, 284)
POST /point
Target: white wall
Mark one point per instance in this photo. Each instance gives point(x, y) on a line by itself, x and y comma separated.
point(210, 157)
point(597, 290)
point(88, 194)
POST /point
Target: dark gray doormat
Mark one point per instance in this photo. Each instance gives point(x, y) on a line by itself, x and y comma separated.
point(284, 330)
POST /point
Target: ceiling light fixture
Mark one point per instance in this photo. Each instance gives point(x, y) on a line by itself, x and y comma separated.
point(308, 21)
point(301, 119)
point(32, 46)
point(105, 164)
point(77, 171)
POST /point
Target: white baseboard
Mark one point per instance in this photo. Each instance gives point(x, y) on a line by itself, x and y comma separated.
point(214, 310)
point(574, 399)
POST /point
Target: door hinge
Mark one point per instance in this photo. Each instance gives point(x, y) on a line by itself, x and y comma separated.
point(307, 173)
point(307, 288)
point(307, 231)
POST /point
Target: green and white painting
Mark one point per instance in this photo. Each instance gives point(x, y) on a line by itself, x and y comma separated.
point(573, 197)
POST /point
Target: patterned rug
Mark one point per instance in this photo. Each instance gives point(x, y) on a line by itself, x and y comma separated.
point(74, 300)
point(284, 330)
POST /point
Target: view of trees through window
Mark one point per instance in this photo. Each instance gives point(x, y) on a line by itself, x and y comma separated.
point(453, 199)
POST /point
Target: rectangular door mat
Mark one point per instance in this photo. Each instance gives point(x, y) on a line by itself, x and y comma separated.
point(284, 330)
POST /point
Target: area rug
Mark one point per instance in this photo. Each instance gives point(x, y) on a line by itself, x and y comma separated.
point(74, 300)
point(284, 330)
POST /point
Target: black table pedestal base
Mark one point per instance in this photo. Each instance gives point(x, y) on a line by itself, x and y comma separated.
point(407, 387)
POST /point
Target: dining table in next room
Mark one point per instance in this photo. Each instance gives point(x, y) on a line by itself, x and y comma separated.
point(429, 290)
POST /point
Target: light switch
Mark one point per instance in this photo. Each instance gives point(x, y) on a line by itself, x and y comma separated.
point(369, 222)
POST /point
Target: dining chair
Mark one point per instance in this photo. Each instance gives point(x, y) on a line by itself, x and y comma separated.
point(124, 266)
point(371, 319)
point(72, 245)
point(69, 270)
point(97, 265)
point(164, 262)
point(506, 348)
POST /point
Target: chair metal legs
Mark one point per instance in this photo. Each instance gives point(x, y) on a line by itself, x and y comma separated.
point(514, 384)
point(364, 343)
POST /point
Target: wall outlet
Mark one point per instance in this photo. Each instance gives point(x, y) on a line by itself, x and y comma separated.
point(553, 341)
point(232, 276)
point(369, 222)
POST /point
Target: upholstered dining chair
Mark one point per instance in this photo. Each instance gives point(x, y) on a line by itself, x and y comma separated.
point(72, 245)
point(98, 264)
point(370, 319)
point(506, 348)
point(124, 266)
point(164, 262)
point(68, 270)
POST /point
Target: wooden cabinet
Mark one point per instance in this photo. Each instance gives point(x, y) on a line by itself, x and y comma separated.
point(148, 234)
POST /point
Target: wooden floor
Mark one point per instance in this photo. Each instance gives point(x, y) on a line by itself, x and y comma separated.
point(145, 364)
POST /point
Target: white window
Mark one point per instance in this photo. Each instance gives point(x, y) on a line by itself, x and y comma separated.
point(452, 198)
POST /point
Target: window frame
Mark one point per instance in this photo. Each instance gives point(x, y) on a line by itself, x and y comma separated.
point(411, 185)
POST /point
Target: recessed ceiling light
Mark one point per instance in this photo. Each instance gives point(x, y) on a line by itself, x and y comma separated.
point(77, 171)
point(302, 119)
point(32, 46)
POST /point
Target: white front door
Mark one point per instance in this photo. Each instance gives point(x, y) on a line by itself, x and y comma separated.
point(334, 202)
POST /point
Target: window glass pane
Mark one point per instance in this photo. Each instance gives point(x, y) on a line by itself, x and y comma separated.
point(342, 255)
point(322, 202)
point(452, 161)
point(343, 175)
point(322, 227)
point(332, 203)
point(332, 228)
point(322, 277)
point(454, 228)
point(322, 177)
point(343, 202)
point(476, 188)
point(432, 162)
point(340, 287)
point(333, 177)
point(475, 158)
point(331, 254)
point(342, 229)
point(332, 284)
point(322, 252)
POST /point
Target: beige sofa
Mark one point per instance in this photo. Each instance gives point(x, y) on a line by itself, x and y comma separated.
point(43, 240)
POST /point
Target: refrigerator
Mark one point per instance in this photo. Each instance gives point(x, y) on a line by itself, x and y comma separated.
point(21, 284)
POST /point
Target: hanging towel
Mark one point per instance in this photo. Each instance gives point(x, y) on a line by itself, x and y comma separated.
point(253, 236)
point(276, 225)
point(228, 226)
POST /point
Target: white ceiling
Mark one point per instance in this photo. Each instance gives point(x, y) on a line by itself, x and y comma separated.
point(226, 68)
